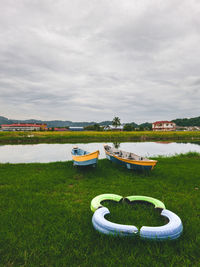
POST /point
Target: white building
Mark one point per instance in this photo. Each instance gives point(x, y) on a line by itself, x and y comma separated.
point(163, 126)
point(114, 128)
point(23, 127)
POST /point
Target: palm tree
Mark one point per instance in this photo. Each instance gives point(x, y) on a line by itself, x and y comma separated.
point(116, 122)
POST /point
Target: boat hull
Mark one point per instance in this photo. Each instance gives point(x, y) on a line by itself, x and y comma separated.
point(86, 160)
point(132, 164)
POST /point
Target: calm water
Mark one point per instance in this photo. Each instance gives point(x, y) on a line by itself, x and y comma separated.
point(62, 152)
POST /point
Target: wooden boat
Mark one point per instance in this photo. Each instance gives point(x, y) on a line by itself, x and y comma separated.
point(83, 158)
point(129, 160)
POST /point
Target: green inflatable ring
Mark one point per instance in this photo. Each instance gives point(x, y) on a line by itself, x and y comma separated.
point(96, 202)
point(156, 202)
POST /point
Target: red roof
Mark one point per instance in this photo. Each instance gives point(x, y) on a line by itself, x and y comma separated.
point(158, 122)
point(22, 125)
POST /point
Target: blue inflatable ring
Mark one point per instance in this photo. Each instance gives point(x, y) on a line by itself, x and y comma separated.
point(172, 230)
point(104, 226)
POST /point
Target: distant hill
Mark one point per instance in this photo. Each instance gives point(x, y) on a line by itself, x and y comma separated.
point(188, 122)
point(56, 123)
point(4, 120)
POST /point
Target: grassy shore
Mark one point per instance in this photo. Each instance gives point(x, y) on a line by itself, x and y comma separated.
point(45, 216)
point(86, 136)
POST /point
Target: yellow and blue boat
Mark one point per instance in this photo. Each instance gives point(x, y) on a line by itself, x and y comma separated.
point(128, 159)
point(83, 158)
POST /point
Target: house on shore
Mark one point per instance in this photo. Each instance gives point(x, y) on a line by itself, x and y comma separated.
point(23, 127)
point(113, 128)
point(163, 126)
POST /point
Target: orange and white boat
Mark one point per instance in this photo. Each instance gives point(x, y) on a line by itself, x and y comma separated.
point(128, 159)
point(83, 158)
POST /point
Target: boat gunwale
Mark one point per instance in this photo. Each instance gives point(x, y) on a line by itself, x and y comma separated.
point(132, 161)
point(75, 157)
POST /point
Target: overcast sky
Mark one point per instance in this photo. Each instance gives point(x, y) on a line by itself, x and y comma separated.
point(91, 60)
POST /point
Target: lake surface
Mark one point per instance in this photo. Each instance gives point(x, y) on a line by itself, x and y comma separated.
point(62, 152)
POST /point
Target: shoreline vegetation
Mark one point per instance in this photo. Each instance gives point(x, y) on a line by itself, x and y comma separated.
point(95, 136)
point(45, 217)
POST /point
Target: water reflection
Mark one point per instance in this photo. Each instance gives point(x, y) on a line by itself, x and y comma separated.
point(116, 145)
point(62, 152)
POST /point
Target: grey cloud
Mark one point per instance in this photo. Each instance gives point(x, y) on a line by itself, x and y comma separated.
point(196, 82)
point(92, 60)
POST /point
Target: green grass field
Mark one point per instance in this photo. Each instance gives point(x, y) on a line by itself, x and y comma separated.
point(92, 136)
point(45, 216)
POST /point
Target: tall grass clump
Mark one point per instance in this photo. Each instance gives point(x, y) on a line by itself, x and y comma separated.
point(92, 136)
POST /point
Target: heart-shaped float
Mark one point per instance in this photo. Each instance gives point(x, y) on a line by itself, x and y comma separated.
point(172, 230)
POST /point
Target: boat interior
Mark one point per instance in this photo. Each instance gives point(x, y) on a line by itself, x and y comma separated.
point(79, 152)
point(123, 154)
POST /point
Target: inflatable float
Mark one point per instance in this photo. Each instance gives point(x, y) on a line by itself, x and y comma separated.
point(171, 230)
point(96, 202)
point(104, 226)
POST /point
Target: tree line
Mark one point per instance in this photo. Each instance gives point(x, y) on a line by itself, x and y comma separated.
point(116, 122)
point(188, 122)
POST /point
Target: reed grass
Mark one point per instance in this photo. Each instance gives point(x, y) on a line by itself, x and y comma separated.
point(92, 136)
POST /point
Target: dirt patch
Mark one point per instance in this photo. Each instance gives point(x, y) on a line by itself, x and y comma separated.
point(78, 176)
point(78, 201)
